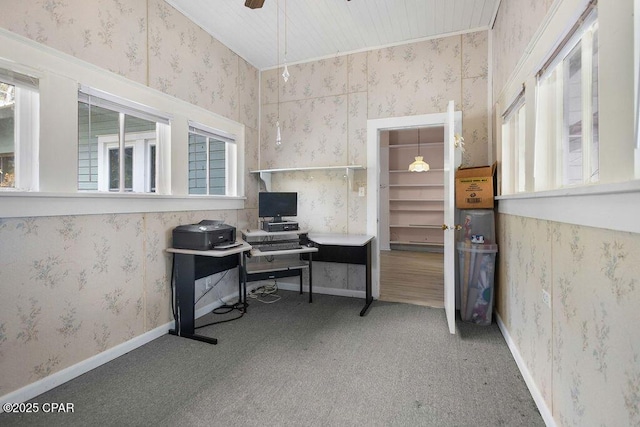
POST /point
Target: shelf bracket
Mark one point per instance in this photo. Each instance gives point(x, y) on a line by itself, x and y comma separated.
point(265, 177)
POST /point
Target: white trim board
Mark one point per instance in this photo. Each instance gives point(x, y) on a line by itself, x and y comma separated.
point(608, 210)
point(54, 380)
point(545, 411)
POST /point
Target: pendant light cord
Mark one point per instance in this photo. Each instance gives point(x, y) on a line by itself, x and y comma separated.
point(278, 53)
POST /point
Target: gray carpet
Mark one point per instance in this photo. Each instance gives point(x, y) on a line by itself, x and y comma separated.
point(297, 364)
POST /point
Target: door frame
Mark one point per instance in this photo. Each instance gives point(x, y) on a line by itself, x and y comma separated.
point(374, 127)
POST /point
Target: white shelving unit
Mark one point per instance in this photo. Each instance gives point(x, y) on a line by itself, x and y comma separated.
point(413, 201)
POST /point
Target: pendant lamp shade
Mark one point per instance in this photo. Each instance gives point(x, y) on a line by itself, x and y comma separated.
point(419, 165)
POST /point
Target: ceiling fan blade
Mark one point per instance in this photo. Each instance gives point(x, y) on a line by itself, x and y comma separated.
point(254, 4)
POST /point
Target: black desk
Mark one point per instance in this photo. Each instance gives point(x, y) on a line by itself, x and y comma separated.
point(190, 265)
point(348, 249)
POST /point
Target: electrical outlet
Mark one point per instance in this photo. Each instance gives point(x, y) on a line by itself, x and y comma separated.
point(361, 191)
point(546, 298)
point(207, 283)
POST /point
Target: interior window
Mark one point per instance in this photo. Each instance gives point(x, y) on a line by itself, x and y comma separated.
point(211, 162)
point(116, 147)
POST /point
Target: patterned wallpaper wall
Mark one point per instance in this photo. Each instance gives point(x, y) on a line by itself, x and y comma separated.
point(323, 111)
point(64, 306)
point(584, 353)
point(516, 23)
point(74, 286)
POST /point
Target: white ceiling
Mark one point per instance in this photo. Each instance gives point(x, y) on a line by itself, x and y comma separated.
point(321, 28)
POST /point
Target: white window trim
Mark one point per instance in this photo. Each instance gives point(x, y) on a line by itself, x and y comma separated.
point(59, 75)
point(231, 156)
point(608, 206)
point(553, 173)
point(27, 131)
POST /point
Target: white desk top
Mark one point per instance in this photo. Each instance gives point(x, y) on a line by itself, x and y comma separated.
point(216, 253)
point(340, 239)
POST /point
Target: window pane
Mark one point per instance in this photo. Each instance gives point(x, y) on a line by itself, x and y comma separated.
point(114, 169)
point(128, 168)
point(595, 142)
point(217, 167)
point(99, 134)
point(573, 117)
point(197, 164)
point(94, 124)
point(7, 134)
point(152, 168)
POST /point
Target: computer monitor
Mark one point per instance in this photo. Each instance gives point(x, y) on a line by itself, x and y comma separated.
point(277, 205)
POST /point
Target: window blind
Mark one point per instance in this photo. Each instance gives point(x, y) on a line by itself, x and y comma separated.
point(19, 80)
point(106, 100)
point(204, 130)
point(587, 18)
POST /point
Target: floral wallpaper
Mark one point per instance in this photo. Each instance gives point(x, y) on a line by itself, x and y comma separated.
point(323, 111)
point(324, 107)
point(584, 351)
point(516, 23)
point(64, 305)
point(74, 286)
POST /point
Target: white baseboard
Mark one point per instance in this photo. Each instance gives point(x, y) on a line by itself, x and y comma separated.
point(547, 415)
point(54, 380)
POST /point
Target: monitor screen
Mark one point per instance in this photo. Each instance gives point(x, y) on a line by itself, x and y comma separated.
point(277, 204)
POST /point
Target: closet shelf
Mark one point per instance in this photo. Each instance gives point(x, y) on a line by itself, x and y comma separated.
point(407, 171)
point(416, 185)
point(427, 145)
point(417, 200)
point(429, 226)
point(409, 242)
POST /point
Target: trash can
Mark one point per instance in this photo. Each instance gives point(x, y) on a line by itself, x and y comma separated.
point(476, 268)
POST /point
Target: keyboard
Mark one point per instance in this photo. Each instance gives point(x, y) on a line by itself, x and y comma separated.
point(284, 246)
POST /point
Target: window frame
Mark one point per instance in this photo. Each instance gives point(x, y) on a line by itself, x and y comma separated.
point(55, 156)
point(141, 161)
point(551, 141)
point(26, 129)
point(231, 157)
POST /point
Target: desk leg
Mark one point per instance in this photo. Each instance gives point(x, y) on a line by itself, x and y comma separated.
point(184, 275)
point(243, 274)
point(368, 297)
point(310, 278)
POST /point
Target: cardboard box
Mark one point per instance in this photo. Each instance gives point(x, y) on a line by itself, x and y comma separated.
point(475, 187)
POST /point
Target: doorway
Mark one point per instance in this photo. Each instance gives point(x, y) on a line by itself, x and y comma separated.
point(411, 214)
point(452, 122)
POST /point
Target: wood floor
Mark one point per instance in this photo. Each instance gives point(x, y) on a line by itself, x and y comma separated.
point(412, 277)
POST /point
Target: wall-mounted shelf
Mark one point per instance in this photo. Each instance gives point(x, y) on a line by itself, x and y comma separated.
point(265, 174)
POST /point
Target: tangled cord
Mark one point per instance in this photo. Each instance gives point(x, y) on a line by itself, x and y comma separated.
point(265, 291)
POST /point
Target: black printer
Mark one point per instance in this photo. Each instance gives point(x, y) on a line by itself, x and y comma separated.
point(205, 235)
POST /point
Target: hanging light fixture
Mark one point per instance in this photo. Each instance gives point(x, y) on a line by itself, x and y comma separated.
point(419, 165)
point(285, 72)
point(278, 135)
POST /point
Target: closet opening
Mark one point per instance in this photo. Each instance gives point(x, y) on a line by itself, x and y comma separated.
point(411, 214)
